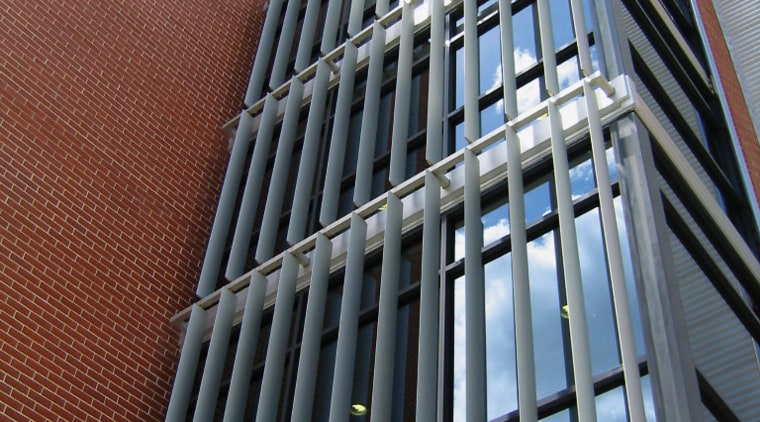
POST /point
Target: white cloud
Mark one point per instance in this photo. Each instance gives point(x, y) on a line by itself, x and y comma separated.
point(490, 234)
point(547, 324)
point(530, 94)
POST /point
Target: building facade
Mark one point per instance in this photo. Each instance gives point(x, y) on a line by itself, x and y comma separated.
point(492, 210)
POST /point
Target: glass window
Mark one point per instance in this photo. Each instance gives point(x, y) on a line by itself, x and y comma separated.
point(458, 78)
point(562, 23)
point(501, 383)
point(537, 203)
point(551, 341)
point(325, 372)
point(495, 222)
point(597, 295)
point(567, 72)
point(491, 117)
point(630, 281)
point(582, 179)
point(610, 406)
point(384, 124)
point(501, 388)
point(525, 38)
point(528, 96)
point(352, 143)
point(490, 60)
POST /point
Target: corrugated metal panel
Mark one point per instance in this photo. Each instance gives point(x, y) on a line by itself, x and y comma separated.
point(721, 347)
point(675, 94)
point(739, 21)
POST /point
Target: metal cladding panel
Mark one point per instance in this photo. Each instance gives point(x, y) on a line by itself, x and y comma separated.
point(739, 21)
point(675, 95)
point(721, 347)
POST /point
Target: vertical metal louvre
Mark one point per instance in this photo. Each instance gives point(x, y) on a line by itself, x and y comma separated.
point(217, 351)
point(303, 399)
point(348, 327)
point(579, 342)
point(546, 33)
point(474, 296)
point(188, 362)
point(278, 340)
point(634, 396)
point(263, 51)
point(526, 373)
point(246, 348)
point(331, 193)
point(427, 367)
point(225, 208)
point(305, 177)
point(434, 140)
point(400, 132)
point(382, 387)
point(241, 239)
point(270, 223)
point(284, 44)
point(368, 137)
point(471, 72)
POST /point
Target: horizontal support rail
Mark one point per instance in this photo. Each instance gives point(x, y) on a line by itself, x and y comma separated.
point(619, 105)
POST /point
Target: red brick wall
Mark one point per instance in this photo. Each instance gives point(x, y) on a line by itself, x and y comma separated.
point(111, 159)
point(734, 94)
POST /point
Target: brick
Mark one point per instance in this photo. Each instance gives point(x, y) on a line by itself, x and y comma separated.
point(110, 167)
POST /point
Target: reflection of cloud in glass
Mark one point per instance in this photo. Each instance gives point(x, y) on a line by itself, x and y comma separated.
point(567, 72)
point(547, 323)
point(491, 233)
point(581, 179)
point(500, 347)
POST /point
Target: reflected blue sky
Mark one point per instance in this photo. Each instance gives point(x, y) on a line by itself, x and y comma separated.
point(549, 328)
point(551, 336)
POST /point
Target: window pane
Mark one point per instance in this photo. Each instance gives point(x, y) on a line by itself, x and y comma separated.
point(495, 226)
point(460, 388)
point(597, 295)
point(567, 72)
point(384, 124)
point(611, 407)
point(611, 164)
point(525, 39)
point(550, 345)
point(490, 60)
point(633, 298)
point(405, 368)
point(325, 373)
point(352, 143)
point(346, 201)
point(458, 79)
point(562, 23)
point(582, 179)
point(459, 141)
point(364, 361)
point(500, 338)
point(528, 96)
point(563, 416)
point(501, 387)
point(378, 183)
point(491, 117)
point(646, 389)
point(537, 203)
point(486, 5)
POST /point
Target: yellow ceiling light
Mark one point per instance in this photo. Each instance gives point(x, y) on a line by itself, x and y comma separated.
point(358, 409)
